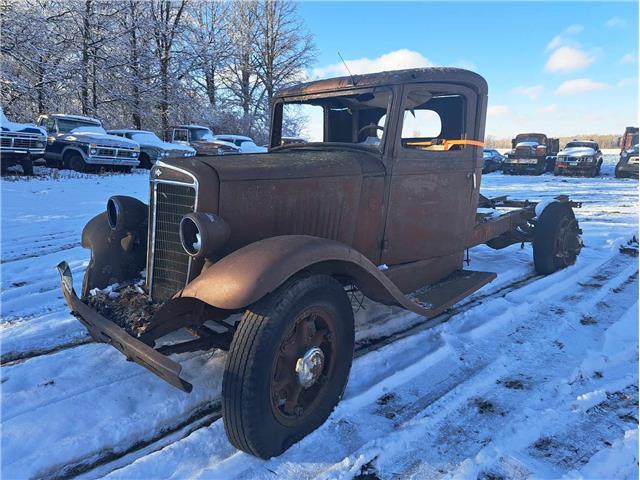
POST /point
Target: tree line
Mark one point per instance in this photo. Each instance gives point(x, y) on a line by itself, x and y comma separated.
point(603, 140)
point(148, 64)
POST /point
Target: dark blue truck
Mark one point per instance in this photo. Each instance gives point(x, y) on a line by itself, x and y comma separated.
point(80, 143)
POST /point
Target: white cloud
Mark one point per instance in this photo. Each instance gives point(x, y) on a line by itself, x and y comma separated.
point(568, 59)
point(629, 58)
point(580, 85)
point(533, 92)
point(574, 29)
point(547, 108)
point(614, 22)
point(498, 110)
point(627, 82)
point(396, 60)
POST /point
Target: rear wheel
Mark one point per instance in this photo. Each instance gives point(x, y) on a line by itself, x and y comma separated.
point(556, 238)
point(288, 365)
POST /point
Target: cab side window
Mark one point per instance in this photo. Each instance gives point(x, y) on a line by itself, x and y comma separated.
point(49, 124)
point(180, 135)
point(434, 122)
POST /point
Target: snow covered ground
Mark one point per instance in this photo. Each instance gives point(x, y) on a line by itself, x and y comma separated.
point(530, 377)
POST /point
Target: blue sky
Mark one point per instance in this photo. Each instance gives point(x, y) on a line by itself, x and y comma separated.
point(558, 67)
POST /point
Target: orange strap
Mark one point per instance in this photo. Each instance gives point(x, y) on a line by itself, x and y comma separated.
point(447, 144)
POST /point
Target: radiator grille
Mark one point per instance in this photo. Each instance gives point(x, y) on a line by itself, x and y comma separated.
point(170, 262)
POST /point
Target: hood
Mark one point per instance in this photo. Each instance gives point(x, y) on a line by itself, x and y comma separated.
point(93, 136)
point(8, 126)
point(177, 146)
point(292, 163)
point(577, 152)
point(527, 144)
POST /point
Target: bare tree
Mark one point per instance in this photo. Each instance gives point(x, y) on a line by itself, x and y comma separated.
point(283, 48)
point(166, 16)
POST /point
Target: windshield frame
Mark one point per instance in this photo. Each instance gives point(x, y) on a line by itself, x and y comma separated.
point(278, 117)
point(207, 130)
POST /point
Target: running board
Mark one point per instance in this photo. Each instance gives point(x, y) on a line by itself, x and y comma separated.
point(438, 297)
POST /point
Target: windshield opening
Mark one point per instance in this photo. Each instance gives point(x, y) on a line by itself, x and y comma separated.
point(146, 137)
point(66, 125)
point(356, 118)
point(201, 134)
point(582, 144)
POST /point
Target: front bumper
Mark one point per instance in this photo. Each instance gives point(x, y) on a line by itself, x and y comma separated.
point(123, 161)
point(13, 156)
point(105, 331)
point(574, 168)
point(521, 166)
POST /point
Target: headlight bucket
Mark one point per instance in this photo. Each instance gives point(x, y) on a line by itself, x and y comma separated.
point(203, 234)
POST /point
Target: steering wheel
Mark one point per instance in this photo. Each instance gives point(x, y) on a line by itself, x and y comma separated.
point(370, 126)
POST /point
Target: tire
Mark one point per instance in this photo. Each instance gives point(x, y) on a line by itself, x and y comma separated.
point(260, 379)
point(556, 171)
point(74, 161)
point(540, 168)
point(556, 238)
point(27, 166)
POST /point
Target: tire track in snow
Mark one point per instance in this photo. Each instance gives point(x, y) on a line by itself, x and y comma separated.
point(208, 415)
point(447, 384)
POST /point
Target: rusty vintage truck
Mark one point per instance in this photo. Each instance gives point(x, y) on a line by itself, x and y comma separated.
point(531, 154)
point(255, 254)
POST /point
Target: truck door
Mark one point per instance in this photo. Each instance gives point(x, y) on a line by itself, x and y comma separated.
point(435, 180)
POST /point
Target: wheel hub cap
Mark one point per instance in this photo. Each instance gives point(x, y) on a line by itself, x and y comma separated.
point(309, 367)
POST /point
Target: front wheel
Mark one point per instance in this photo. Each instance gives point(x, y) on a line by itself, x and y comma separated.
point(556, 238)
point(288, 365)
point(74, 161)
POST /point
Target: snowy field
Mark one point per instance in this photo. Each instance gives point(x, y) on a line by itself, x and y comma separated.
point(530, 377)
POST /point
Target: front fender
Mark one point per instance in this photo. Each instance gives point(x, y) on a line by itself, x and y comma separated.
point(246, 275)
point(115, 256)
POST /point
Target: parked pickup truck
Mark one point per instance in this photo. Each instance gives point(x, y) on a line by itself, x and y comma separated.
point(201, 139)
point(152, 148)
point(80, 143)
point(628, 165)
point(20, 144)
point(531, 154)
point(579, 158)
point(255, 255)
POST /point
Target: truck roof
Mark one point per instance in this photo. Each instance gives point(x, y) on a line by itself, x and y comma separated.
point(76, 117)
point(190, 126)
point(128, 130)
point(395, 77)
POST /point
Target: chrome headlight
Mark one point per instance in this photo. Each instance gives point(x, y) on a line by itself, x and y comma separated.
point(39, 144)
point(134, 154)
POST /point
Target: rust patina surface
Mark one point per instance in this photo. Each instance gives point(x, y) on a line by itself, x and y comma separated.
point(386, 211)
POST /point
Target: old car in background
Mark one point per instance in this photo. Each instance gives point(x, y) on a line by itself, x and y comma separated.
point(628, 163)
point(244, 144)
point(579, 157)
point(492, 160)
point(20, 144)
point(254, 255)
point(80, 143)
point(152, 148)
point(531, 154)
point(201, 138)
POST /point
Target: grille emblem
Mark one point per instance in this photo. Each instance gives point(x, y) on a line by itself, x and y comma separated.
point(158, 172)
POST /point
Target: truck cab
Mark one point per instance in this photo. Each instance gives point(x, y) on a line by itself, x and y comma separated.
point(200, 138)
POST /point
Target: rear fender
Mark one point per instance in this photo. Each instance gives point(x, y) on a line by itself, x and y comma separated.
point(248, 274)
